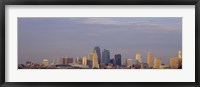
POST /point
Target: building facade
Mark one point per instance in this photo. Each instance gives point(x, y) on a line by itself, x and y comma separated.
point(157, 63)
point(106, 56)
point(69, 61)
point(138, 58)
point(118, 59)
point(124, 62)
point(95, 63)
point(45, 62)
point(174, 63)
point(149, 59)
point(129, 63)
point(98, 50)
point(180, 58)
point(84, 60)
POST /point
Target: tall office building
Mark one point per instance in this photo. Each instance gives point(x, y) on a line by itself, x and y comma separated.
point(98, 50)
point(173, 63)
point(157, 63)
point(89, 63)
point(118, 59)
point(89, 60)
point(138, 58)
point(90, 56)
point(129, 63)
point(84, 60)
point(45, 62)
point(149, 59)
point(105, 56)
point(95, 60)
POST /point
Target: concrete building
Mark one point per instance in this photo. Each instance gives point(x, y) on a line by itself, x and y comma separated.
point(98, 50)
point(149, 59)
point(95, 60)
point(78, 61)
point(138, 58)
point(90, 56)
point(129, 63)
point(106, 56)
point(45, 62)
point(118, 59)
point(124, 62)
point(180, 58)
point(69, 61)
point(174, 63)
point(63, 61)
point(157, 63)
point(84, 60)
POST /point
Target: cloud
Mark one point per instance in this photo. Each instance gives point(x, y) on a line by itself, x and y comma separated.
point(137, 24)
point(110, 21)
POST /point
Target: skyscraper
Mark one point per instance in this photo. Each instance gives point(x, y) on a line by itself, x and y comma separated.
point(90, 56)
point(95, 60)
point(149, 59)
point(118, 59)
point(84, 60)
point(138, 58)
point(98, 50)
point(106, 56)
point(157, 63)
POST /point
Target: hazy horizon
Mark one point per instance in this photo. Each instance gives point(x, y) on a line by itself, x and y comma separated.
point(40, 38)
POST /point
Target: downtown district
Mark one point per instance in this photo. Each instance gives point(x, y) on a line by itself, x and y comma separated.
point(98, 60)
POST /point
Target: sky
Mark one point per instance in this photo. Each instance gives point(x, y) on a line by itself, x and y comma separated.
point(57, 37)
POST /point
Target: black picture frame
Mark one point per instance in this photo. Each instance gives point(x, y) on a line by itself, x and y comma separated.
point(98, 2)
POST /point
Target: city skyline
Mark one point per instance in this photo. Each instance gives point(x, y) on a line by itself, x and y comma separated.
point(40, 38)
point(94, 61)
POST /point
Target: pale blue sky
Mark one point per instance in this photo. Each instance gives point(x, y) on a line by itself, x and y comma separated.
point(40, 38)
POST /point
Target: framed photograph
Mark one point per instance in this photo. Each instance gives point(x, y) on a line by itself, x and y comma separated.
point(105, 42)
